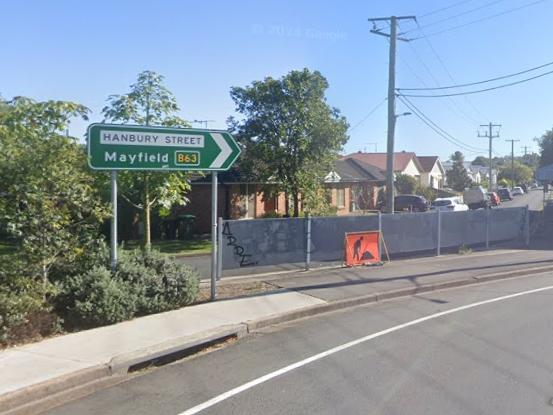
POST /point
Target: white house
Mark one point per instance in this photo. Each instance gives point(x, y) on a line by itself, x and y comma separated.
point(433, 173)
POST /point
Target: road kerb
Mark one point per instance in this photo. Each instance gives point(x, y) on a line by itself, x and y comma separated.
point(16, 402)
point(122, 363)
point(387, 295)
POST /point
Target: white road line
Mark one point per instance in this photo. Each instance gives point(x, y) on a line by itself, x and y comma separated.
point(235, 391)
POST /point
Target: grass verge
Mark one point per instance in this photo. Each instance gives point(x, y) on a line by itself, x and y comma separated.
point(175, 247)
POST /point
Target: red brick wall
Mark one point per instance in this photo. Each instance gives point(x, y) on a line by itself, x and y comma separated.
point(199, 205)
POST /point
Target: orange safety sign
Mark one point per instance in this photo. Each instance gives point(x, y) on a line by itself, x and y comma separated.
point(361, 248)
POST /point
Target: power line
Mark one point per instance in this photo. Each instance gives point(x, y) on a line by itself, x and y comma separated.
point(368, 115)
point(479, 82)
point(483, 19)
point(480, 90)
point(476, 110)
point(436, 128)
point(446, 8)
point(491, 3)
point(425, 66)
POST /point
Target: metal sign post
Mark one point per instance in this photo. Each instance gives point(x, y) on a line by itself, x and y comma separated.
point(113, 236)
point(213, 234)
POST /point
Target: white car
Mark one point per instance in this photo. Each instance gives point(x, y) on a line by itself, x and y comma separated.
point(448, 204)
point(517, 191)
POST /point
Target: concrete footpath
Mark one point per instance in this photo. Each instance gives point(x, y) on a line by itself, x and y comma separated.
point(39, 375)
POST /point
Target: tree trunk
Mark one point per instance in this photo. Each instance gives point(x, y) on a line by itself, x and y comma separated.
point(296, 204)
point(147, 235)
point(286, 205)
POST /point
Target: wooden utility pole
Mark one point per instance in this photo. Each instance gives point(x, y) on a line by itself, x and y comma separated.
point(489, 134)
point(391, 100)
point(512, 161)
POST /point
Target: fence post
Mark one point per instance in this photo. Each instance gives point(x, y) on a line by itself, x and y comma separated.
point(380, 232)
point(307, 241)
point(527, 226)
point(439, 236)
point(488, 228)
point(219, 248)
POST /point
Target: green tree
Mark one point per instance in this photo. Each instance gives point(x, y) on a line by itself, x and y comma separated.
point(149, 102)
point(405, 184)
point(546, 148)
point(532, 160)
point(481, 161)
point(290, 134)
point(458, 178)
point(48, 203)
point(522, 173)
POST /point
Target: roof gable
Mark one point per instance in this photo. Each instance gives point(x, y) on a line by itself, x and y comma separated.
point(427, 162)
point(355, 170)
point(401, 160)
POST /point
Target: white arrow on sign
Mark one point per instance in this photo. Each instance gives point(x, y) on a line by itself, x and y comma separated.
point(226, 151)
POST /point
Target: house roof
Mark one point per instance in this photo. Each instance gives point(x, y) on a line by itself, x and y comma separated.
point(353, 170)
point(427, 162)
point(401, 159)
point(348, 170)
point(232, 175)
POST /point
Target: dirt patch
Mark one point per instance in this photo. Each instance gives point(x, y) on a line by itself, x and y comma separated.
point(235, 290)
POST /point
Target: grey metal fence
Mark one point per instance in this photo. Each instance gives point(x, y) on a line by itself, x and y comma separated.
point(247, 243)
point(327, 235)
point(319, 240)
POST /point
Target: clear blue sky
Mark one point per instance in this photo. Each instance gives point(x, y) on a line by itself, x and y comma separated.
point(85, 51)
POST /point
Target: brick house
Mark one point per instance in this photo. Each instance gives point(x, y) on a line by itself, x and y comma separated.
point(352, 186)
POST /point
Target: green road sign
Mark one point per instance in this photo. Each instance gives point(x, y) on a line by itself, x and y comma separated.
point(131, 147)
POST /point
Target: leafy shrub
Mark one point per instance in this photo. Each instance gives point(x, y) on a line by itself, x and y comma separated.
point(144, 282)
point(427, 192)
point(160, 283)
point(24, 310)
point(465, 250)
point(271, 215)
point(96, 298)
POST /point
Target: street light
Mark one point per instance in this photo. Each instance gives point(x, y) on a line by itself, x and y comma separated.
point(403, 114)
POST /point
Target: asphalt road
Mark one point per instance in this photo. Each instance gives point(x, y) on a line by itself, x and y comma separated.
point(488, 351)
point(534, 200)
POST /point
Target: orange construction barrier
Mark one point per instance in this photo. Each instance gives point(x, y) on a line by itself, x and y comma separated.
point(361, 248)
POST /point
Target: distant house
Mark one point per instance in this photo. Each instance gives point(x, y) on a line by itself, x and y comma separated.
point(475, 172)
point(433, 173)
point(404, 162)
point(484, 172)
point(351, 186)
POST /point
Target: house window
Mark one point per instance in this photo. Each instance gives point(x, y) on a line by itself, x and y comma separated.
point(340, 198)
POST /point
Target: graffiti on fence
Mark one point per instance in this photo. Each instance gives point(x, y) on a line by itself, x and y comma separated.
point(238, 249)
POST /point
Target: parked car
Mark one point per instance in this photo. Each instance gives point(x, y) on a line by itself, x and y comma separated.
point(523, 187)
point(504, 194)
point(410, 203)
point(495, 200)
point(476, 198)
point(448, 204)
point(517, 191)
